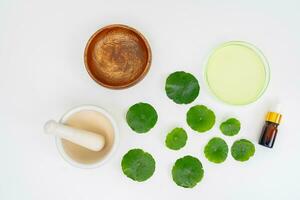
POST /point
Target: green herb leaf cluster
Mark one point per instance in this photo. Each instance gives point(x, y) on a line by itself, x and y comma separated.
point(200, 118)
point(182, 87)
point(138, 165)
point(141, 117)
point(176, 139)
point(242, 150)
point(216, 150)
point(187, 172)
point(230, 127)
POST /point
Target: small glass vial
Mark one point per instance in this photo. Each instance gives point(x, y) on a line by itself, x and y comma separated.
point(269, 131)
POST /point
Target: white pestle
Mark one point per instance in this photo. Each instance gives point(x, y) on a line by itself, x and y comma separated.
point(87, 139)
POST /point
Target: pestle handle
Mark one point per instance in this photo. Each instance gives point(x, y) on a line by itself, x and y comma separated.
point(87, 139)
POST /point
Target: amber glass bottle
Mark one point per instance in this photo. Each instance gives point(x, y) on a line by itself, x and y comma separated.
point(269, 131)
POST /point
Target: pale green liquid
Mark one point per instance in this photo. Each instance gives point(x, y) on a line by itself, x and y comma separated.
point(237, 73)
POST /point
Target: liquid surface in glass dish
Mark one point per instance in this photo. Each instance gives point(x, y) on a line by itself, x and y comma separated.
point(237, 73)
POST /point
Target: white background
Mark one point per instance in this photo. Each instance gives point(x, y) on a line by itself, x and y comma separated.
point(42, 75)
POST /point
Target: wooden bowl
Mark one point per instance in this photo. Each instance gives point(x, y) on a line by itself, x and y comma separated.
point(117, 56)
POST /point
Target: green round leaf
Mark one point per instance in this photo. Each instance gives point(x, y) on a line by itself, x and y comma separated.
point(141, 117)
point(230, 127)
point(176, 139)
point(187, 172)
point(200, 118)
point(182, 87)
point(216, 150)
point(242, 150)
point(138, 165)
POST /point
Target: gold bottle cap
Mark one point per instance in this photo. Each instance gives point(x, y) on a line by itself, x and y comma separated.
point(273, 117)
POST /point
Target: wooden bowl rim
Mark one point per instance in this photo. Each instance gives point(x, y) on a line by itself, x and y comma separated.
point(135, 81)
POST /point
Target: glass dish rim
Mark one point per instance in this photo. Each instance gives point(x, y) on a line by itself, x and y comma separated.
point(256, 50)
